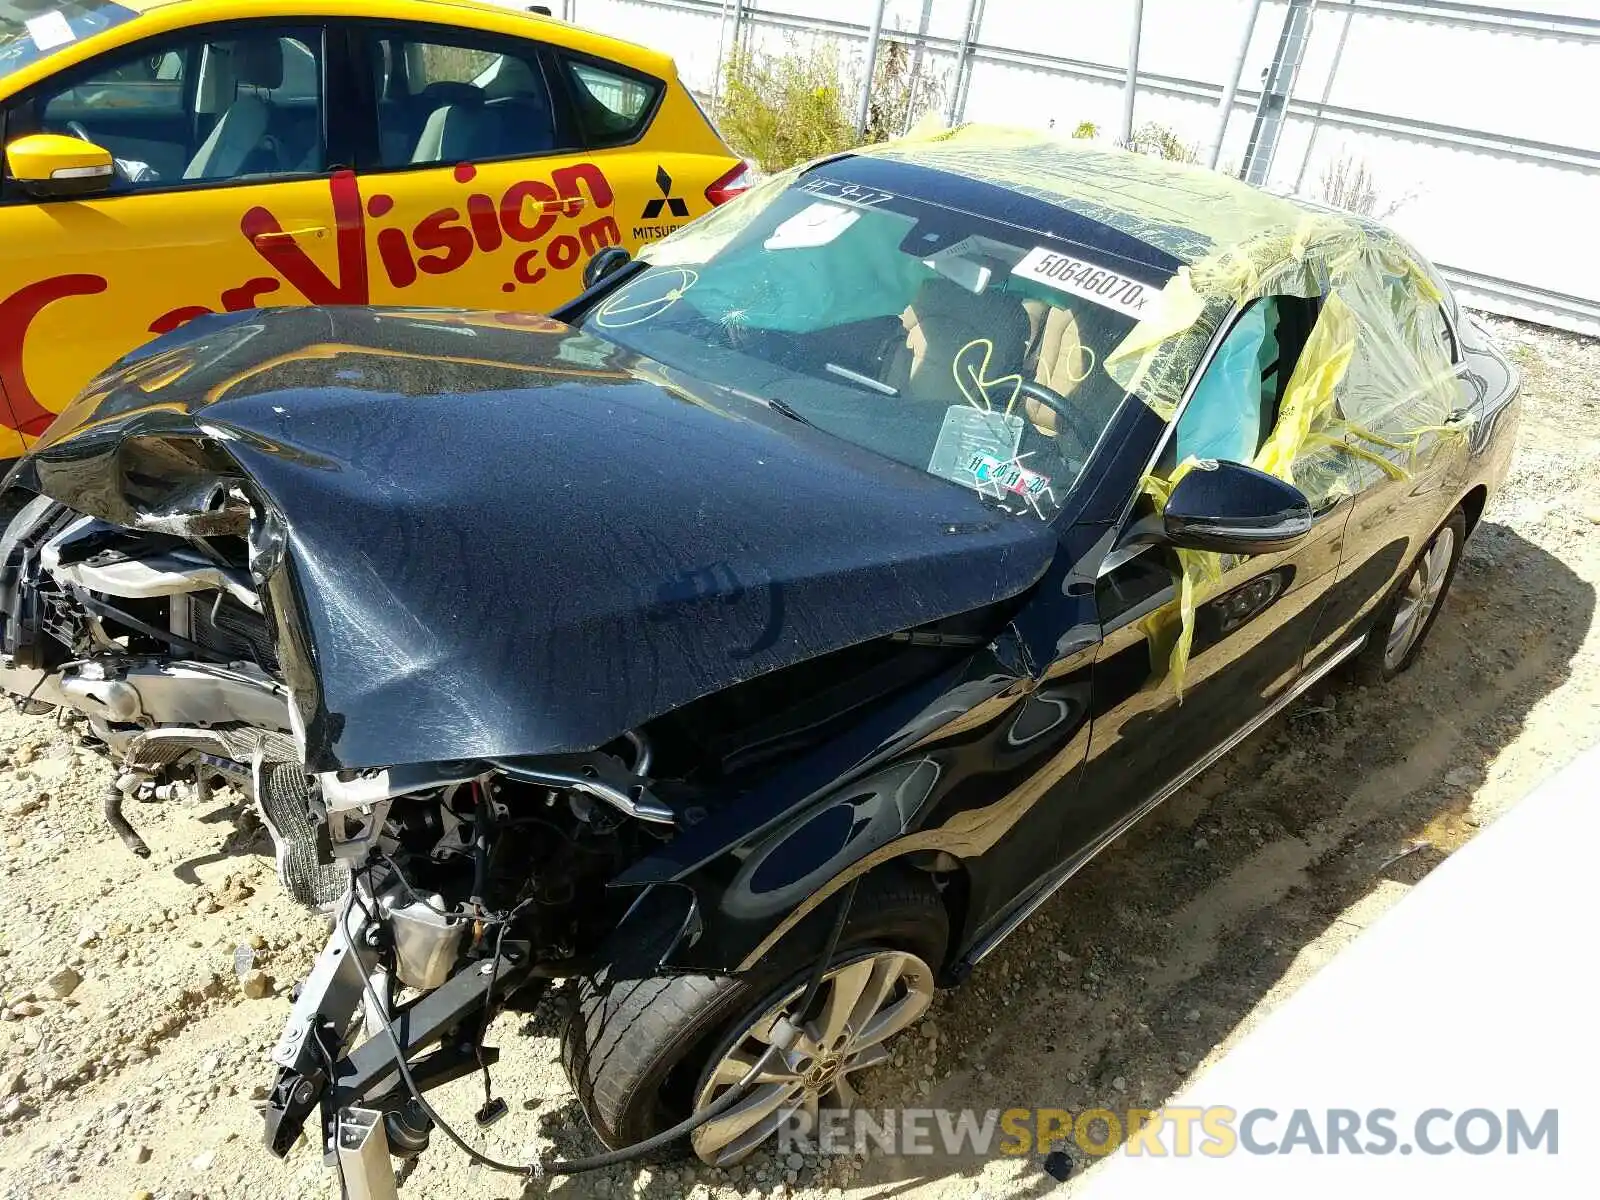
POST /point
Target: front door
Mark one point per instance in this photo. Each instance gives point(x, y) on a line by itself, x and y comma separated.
point(222, 201)
point(1157, 713)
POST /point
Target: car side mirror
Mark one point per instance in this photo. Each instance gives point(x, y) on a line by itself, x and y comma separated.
point(609, 261)
point(51, 165)
point(1226, 508)
point(1229, 508)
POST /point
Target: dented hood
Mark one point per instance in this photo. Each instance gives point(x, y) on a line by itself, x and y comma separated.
point(493, 535)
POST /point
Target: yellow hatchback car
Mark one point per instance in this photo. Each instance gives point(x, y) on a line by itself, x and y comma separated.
point(168, 158)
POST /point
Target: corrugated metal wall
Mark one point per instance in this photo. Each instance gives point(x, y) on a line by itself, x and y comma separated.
point(1479, 124)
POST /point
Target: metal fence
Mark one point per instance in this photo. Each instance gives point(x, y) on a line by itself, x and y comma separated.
point(1474, 129)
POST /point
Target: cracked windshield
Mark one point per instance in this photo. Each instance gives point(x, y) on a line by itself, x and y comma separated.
point(965, 347)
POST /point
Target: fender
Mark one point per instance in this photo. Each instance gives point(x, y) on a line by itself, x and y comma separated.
point(943, 773)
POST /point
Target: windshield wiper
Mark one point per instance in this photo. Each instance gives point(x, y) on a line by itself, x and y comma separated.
point(782, 407)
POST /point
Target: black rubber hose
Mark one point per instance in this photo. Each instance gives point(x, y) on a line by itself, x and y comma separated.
point(814, 985)
point(111, 806)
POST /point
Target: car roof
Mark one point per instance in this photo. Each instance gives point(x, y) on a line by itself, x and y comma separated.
point(1188, 211)
point(629, 53)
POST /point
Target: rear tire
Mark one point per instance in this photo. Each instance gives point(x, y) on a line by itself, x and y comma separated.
point(636, 1051)
point(1402, 625)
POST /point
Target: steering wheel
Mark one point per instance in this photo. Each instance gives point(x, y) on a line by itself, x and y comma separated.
point(1084, 433)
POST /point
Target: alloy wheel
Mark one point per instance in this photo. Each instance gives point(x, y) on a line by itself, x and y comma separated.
point(860, 1006)
point(1419, 597)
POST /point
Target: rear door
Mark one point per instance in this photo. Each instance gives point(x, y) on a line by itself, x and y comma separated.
point(495, 166)
point(1404, 487)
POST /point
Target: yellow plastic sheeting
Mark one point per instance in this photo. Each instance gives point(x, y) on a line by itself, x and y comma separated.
point(1303, 420)
point(1309, 399)
point(1185, 210)
point(1373, 383)
point(1169, 630)
point(1236, 243)
point(1159, 339)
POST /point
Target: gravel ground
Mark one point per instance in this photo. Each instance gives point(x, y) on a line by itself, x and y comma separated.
point(131, 1053)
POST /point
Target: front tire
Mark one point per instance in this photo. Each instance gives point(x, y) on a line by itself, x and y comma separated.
point(642, 1054)
point(1403, 623)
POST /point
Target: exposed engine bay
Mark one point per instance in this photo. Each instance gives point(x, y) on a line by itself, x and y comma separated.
point(456, 889)
point(160, 641)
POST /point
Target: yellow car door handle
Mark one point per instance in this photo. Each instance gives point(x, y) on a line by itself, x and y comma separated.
point(276, 237)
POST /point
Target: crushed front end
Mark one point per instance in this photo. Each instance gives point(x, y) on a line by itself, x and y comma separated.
point(473, 886)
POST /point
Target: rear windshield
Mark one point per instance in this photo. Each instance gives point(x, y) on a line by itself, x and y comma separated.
point(962, 345)
point(31, 29)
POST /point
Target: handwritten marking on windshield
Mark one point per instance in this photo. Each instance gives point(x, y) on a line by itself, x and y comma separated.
point(626, 308)
point(972, 376)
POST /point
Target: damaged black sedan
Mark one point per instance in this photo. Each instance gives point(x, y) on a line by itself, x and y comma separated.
point(752, 645)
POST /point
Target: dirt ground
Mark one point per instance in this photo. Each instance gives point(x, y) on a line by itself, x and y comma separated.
point(142, 1079)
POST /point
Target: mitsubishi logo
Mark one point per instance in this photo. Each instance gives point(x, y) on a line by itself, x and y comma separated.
point(672, 203)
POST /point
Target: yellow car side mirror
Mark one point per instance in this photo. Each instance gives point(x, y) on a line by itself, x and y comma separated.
point(49, 165)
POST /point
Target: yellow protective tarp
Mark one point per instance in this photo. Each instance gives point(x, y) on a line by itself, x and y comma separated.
point(1374, 378)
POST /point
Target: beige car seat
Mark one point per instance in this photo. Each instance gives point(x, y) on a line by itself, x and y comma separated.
point(942, 319)
point(1061, 362)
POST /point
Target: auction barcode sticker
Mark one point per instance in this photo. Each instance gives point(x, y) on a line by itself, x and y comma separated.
point(1088, 280)
point(49, 30)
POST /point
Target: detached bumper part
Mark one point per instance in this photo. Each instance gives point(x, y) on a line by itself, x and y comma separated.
point(314, 1073)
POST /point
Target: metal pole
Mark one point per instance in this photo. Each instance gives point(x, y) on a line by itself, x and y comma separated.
point(968, 36)
point(716, 75)
point(872, 65)
point(1327, 90)
point(1273, 107)
point(1225, 110)
point(916, 67)
point(1132, 83)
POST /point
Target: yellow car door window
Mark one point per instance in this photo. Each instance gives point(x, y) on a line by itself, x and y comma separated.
point(477, 193)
